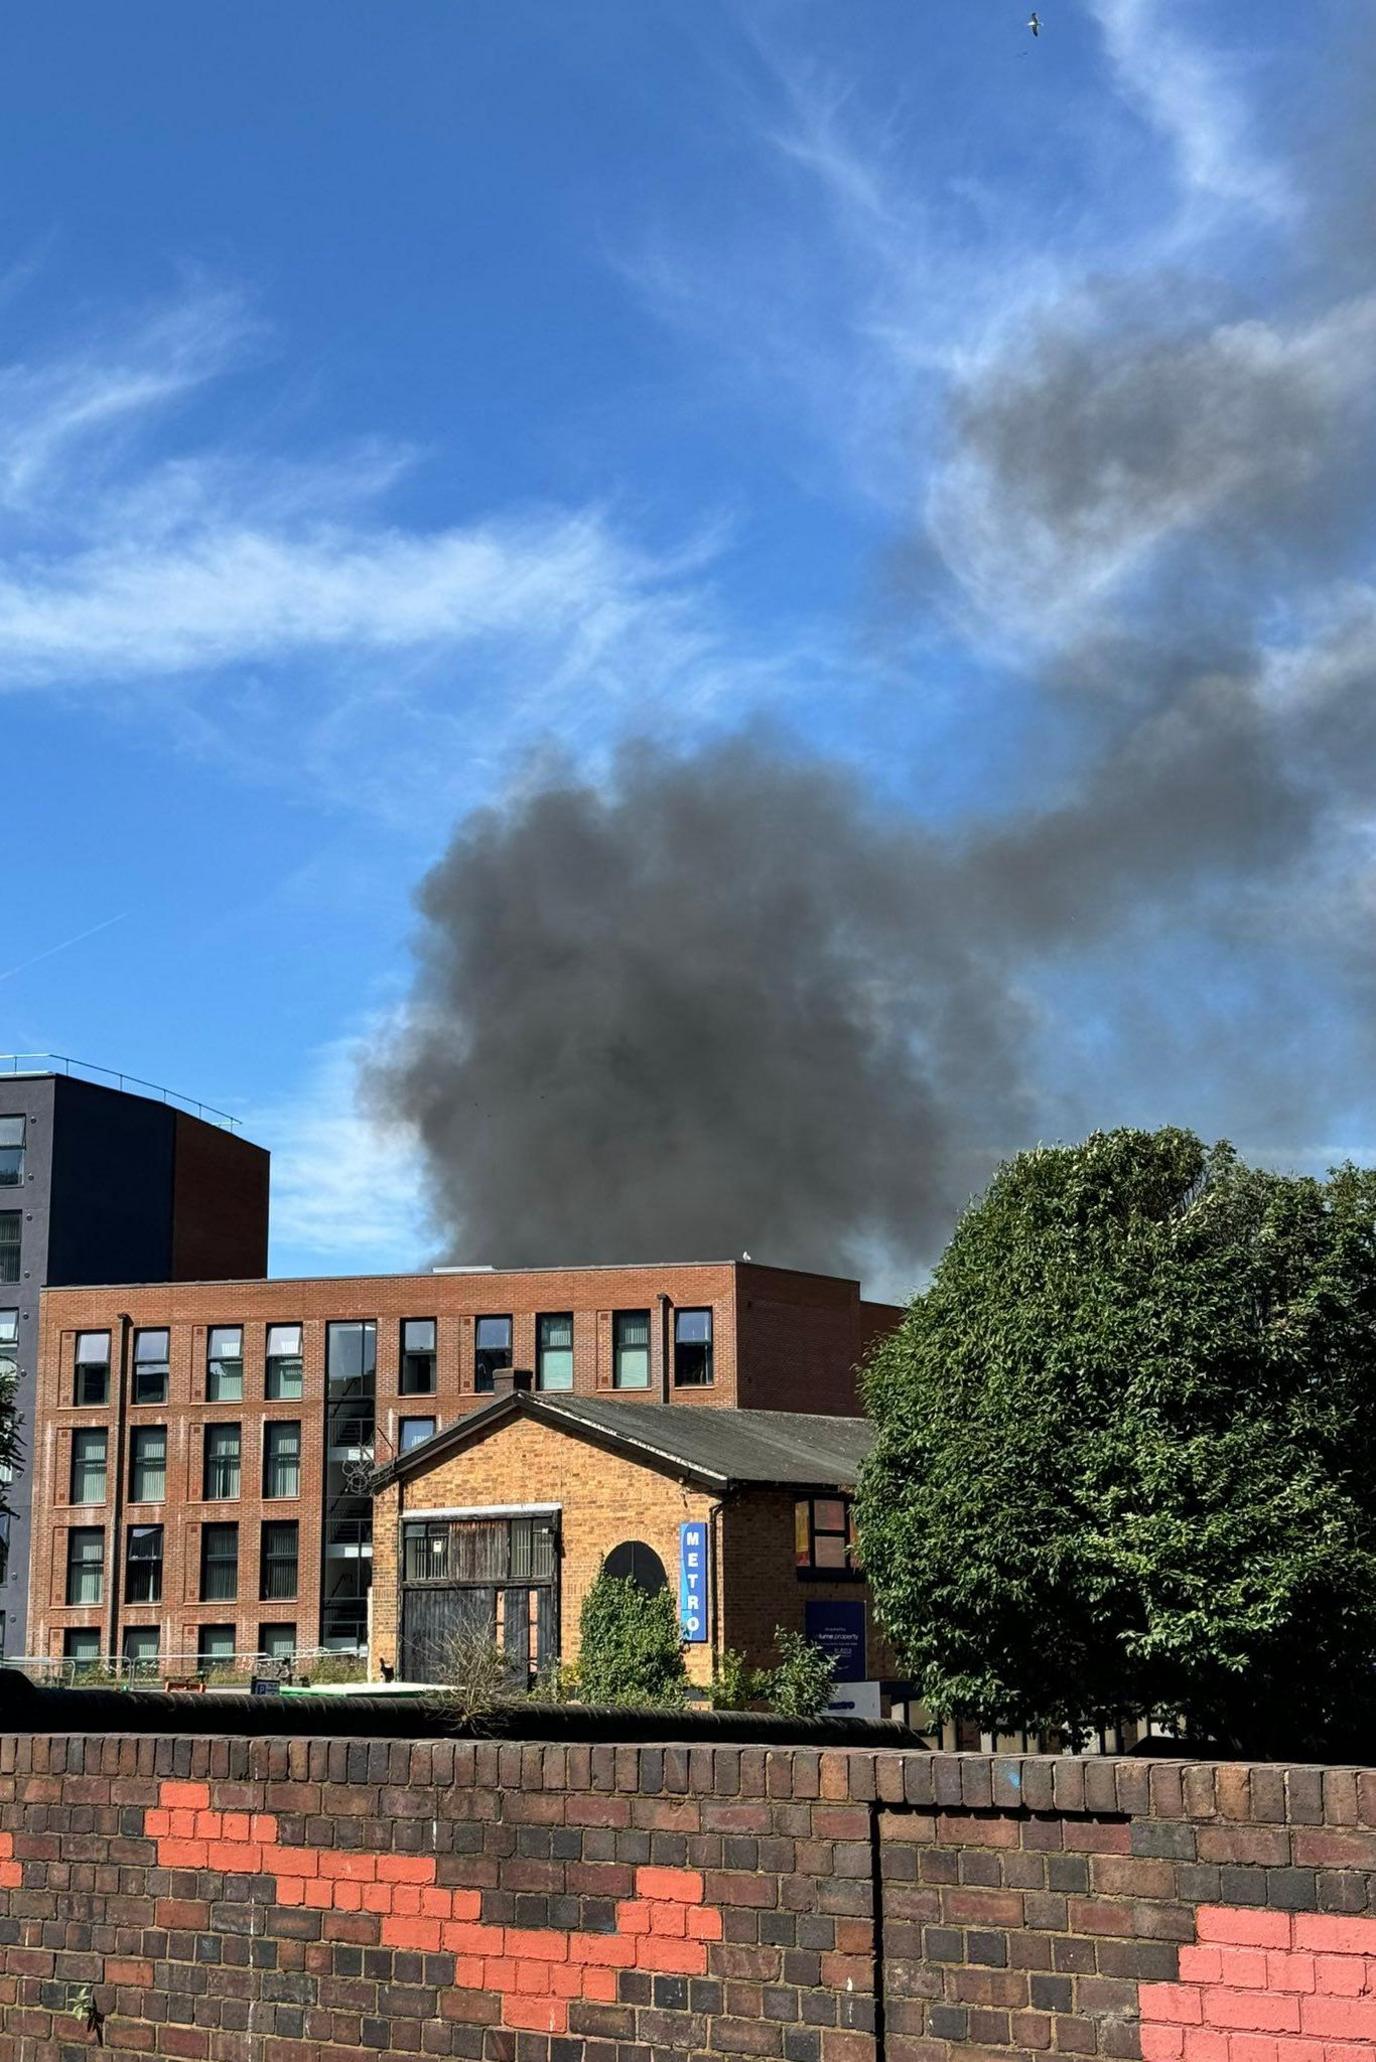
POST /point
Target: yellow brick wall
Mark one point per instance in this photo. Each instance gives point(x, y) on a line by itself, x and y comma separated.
point(604, 1500)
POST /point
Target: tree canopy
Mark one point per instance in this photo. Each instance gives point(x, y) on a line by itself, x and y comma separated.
point(1126, 1451)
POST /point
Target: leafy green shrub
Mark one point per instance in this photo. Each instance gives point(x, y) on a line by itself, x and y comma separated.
point(735, 1686)
point(630, 1650)
point(801, 1685)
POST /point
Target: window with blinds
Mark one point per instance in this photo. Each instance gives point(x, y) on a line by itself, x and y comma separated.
point(282, 1459)
point(285, 1377)
point(554, 1351)
point(277, 1560)
point(221, 1471)
point(85, 1564)
point(219, 1563)
point(148, 1464)
point(631, 1349)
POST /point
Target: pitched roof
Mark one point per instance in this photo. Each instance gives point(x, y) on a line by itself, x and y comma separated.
point(715, 1445)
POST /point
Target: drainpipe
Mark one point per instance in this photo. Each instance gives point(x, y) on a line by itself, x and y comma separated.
point(714, 1576)
point(664, 1362)
point(117, 1499)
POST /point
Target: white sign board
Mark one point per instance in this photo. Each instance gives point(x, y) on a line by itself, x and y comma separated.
point(855, 1700)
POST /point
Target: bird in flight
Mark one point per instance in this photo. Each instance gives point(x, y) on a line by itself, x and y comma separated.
point(1035, 24)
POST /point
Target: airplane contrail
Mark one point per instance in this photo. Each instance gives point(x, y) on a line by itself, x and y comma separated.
point(80, 938)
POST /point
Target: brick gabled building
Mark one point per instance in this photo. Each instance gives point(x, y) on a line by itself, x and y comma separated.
point(204, 1451)
point(498, 1527)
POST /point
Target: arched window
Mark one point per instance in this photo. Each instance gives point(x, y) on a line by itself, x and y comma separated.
point(638, 1563)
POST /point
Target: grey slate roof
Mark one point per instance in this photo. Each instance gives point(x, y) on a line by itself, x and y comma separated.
point(718, 1446)
point(735, 1445)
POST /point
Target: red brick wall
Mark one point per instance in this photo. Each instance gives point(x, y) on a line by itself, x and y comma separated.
point(802, 1338)
point(802, 1356)
point(219, 1203)
point(311, 1900)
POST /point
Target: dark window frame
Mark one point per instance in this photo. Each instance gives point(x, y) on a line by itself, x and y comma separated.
point(80, 1436)
point(227, 1496)
point(271, 1556)
point(12, 1150)
point(543, 1347)
point(90, 1565)
point(412, 1362)
point(84, 1389)
point(809, 1568)
point(402, 1424)
point(486, 1361)
point(163, 1366)
point(138, 1434)
point(213, 1393)
point(205, 1660)
point(620, 1346)
point(271, 1428)
point(272, 1362)
point(213, 1558)
point(149, 1566)
point(10, 1246)
point(686, 1351)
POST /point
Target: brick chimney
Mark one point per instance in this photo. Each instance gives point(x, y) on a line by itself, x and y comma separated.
point(507, 1380)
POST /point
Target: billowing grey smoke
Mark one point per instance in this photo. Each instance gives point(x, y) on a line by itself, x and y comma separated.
point(717, 1007)
point(722, 1004)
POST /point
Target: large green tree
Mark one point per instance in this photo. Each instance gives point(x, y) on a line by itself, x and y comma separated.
point(1126, 1453)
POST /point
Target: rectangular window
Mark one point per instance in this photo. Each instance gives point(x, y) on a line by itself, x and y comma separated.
point(418, 1356)
point(150, 1366)
point(85, 1564)
point(81, 1645)
point(692, 1349)
point(351, 1359)
point(492, 1350)
point(88, 1467)
point(9, 1344)
point(631, 1349)
point(414, 1432)
point(214, 1646)
point(10, 1221)
point(286, 1367)
point(277, 1642)
point(92, 1383)
point(554, 1351)
point(824, 1535)
point(282, 1459)
point(219, 1563)
point(141, 1648)
point(480, 1551)
point(224, 1369)
point(221, 1472)
point(143, 1565)
point(11, 1152)
point(148, 1464)
point(277, 1559)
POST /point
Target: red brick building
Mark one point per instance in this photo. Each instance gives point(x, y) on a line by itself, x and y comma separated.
point(203, 1452)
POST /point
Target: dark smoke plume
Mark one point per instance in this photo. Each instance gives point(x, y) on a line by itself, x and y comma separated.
point(718, 1007)
point(722, 1004)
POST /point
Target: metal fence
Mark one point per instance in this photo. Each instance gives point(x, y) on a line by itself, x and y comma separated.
point(227, 1671)
point(87, 1070)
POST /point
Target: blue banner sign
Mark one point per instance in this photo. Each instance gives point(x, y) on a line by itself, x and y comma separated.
point(692, 1581)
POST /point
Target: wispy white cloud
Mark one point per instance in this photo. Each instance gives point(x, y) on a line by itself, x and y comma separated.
point(1178, 85)
point(346, 1188)
point(279, 614)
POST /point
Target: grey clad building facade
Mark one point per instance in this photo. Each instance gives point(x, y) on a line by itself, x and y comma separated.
point(100, 1183)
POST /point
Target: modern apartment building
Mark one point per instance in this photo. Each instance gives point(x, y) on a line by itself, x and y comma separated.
point(101, 1183)
point(206, 1449)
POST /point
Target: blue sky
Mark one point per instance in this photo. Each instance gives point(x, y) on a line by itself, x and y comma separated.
point(392, 396)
